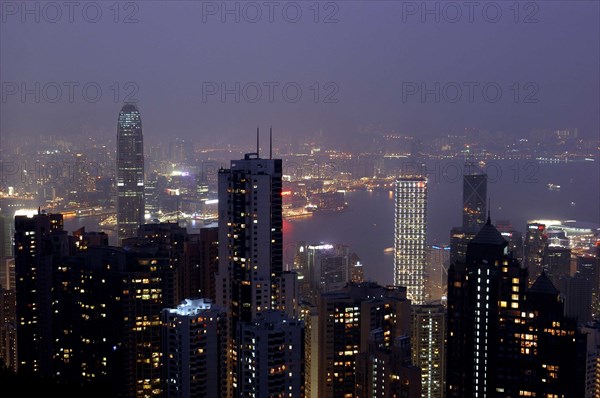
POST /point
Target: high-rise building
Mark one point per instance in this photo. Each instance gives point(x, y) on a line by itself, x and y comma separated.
point(437, 260)
point(272, 356)
point(192, 349)
point(89, 312)
point(474, 201)
point(387, 371)
point(504, 339)
point(428, 347)
point(459, 240)
point(410, 224)
point(535, 244)
point(130, 172)
point(588, 266)
point(251, 268)
point(8, 329)
point(39, 242)
point(473, 212)
point(347, 318)
point(250, 236)
point(557, 263)
point(592, 368)
point(485, 294)
point(552, 347)
point(310, 315)
point(514, 239)
point(201, 263)
point(329, 267)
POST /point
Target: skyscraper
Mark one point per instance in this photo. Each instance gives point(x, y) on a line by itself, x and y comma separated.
point(485, 295)
point(535, 243)
point(474, 201)
point(504, 339)
point(409, 236)
point(130, 172)
point(348, 318)
point(473, 212)
point(428, 347)
point(39, 242)
point(192, 349)
point(250, 271)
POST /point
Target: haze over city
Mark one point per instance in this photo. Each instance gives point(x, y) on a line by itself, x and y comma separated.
point(300, 198)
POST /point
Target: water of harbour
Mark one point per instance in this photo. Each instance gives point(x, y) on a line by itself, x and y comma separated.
point(518, 191)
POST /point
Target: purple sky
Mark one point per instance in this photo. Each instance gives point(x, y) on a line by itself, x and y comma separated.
point(371, 57)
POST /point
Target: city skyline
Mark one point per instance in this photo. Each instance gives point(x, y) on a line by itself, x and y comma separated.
point(421, 219)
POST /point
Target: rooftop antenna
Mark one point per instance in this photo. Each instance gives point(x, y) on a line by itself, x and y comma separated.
point(489, 218)
point(271, 142)
point(257, 143)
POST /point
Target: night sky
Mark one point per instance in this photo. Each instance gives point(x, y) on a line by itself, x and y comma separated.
point(358, 64)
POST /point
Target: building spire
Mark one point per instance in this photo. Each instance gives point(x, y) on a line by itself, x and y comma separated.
point(271, 142)
point(489, 218)
point(257, 143)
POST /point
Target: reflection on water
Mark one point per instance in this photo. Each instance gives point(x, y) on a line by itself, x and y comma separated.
point(368, 225)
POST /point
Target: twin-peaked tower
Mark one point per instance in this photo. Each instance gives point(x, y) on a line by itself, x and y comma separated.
point(503, 339)
point(251, 280)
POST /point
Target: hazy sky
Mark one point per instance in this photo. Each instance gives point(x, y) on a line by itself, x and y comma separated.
point(368, 65)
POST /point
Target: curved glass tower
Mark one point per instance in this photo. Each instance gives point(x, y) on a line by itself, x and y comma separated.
point(130, 172)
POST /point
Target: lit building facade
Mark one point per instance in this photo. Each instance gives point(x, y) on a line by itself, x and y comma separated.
point(387, 371)
point(272, 356)
point(250, 279)
point(504, 339)
point(193, 338)
point(535, 244)
point(347, 320)
point(39, 242)
point(130, 172)
point(437, 260)
point(429, 347)
point(409, 236)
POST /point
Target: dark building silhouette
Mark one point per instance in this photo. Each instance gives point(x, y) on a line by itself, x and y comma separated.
point(387, 371)
point(251, 280)
point(505, 340)
point(536, 239)
point(39, 243)
point(201, 263)
point(130, 172)
point(473, 212)
point(193, 346)
point(89, 314)
point(474, 201)
point(346, 320)
point(557, 263)
point(553, 349)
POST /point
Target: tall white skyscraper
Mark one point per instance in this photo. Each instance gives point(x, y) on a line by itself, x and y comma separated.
point(409, 236)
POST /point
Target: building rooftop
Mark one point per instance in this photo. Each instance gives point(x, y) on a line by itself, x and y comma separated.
point(489, 235)
point(543, 285)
